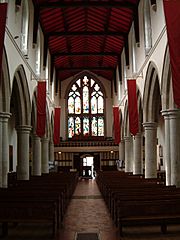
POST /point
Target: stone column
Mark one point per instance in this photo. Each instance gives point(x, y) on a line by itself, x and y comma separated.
point(137, 154)
point(150, 149)
point(4, 152)
point(128, 154)
point(51, 155)
point(121, 155)
point(174, 118)
point(36, 157)
point(122, 150)
point(1, 152)
point(166, 153)
point(45, 155)
point(51, 152)
point(23, 152)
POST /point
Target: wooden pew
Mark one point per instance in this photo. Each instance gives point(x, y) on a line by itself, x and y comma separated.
point(133, 200)
point(28, 211)
point(147, 212)
point(142, 195)
point(40, 199)
point(39, 194)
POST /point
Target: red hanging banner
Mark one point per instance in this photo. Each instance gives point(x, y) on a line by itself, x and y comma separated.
point(3, 14)
point(117, 131)
point(132, 107)
point(172, 16)
point(57, 116)
point(41, 109)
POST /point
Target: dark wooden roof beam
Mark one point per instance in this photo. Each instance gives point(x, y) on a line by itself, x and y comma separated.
point(87, 4)
point(85, 68)
point(62, 54)
point(87, 33)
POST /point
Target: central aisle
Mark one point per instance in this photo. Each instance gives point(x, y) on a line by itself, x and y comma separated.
point(87, 212)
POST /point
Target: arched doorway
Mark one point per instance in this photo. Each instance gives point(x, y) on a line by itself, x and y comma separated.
point(87, 164)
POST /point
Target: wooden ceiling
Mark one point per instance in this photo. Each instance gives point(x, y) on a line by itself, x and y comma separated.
point(85, 34)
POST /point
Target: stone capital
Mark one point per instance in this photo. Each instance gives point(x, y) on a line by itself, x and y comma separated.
point(174, 113)
point(127, 138)
point(23, 128)
point(44, 139)
point(4, 116)
point(150, 125)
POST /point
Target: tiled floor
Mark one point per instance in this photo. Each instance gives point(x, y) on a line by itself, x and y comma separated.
point(87, 212)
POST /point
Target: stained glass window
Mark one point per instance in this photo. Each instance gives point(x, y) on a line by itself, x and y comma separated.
point(77, 126)
point(70, 127)
point(94, 126)
point(85, 108)
point(85, 99)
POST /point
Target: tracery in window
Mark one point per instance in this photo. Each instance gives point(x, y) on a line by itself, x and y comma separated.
point(85, 109)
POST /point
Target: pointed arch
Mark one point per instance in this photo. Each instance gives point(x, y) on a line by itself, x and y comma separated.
point(5, 89)
point(20, 98)
point(86, 107)
point(91, 75)
point(166, 83)
point(140, 109)
point(152, 97)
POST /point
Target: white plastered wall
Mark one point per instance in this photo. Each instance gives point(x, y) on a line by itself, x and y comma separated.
point(156, 54)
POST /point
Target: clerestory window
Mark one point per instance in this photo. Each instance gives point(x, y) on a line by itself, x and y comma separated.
point(24, 27)
point(147, 27)
point(85, 109)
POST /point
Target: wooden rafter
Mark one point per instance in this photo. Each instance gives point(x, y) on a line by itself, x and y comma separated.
point(61, 54)
point(87, 4)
